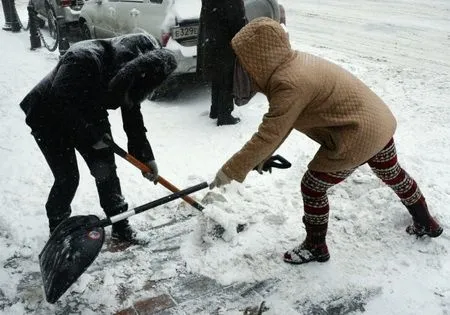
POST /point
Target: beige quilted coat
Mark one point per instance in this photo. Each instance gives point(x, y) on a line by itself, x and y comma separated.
point(311, 95)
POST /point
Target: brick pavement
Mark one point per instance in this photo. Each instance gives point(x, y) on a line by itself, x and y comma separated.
point(188, 293)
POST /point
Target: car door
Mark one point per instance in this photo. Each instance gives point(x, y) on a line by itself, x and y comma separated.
point(141, 16)
point(104, 18)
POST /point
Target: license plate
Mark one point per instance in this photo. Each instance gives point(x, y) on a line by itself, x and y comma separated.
point(185, 32)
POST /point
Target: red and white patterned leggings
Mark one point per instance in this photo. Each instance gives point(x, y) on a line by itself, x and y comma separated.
point(384, 164)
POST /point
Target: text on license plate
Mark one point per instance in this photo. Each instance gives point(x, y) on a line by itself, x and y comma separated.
point(185, 31)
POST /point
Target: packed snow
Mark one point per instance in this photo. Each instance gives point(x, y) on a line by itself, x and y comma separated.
point(401, 49)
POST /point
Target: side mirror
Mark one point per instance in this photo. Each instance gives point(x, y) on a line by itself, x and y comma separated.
point(156, 1)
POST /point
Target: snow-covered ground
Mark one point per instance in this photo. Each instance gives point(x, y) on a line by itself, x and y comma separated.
point(399, 48)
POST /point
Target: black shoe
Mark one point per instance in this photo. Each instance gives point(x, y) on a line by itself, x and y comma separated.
point(227, 120)
point(305, 253)
point(52, 227)
point(213, 115)
point(53, 223)
point(122, 231)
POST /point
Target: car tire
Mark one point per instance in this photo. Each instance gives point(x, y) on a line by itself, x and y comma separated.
point(85, 32)
point(52, 23)
point(50, 39)
point(168, 90)
point(163, 93)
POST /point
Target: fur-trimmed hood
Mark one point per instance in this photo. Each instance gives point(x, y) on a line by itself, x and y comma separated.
point(151, 67)
point(100, 74)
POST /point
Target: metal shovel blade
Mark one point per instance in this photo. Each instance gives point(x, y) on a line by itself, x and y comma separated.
point(71, 249)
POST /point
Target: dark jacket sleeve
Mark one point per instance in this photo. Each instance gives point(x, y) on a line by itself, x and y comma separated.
point(133, 124)
point(74, 85)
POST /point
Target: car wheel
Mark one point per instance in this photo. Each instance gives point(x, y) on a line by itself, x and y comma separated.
point(50, 35)
point(85, 32)
point(52, 23)
point(168, 90)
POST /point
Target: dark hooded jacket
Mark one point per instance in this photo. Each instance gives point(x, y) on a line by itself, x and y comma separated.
point(219, 22)
point(92, 77)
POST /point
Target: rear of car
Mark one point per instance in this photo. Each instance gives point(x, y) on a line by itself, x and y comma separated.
point(174, 23)
point(70, 9)
point(180, 31)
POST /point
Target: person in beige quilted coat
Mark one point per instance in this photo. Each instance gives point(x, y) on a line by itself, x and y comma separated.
point(351, 123)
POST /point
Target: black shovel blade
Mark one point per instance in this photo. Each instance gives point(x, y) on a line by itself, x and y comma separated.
point(71, 249)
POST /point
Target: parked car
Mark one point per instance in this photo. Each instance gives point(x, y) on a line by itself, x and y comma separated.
point(175, 23)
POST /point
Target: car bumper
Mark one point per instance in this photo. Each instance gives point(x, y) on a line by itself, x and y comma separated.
point(71, 15)
point(186, 57)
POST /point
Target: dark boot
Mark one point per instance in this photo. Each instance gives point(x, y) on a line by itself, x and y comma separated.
point(227, 119)
point(423, 222)
point(305, 253)
point(213, 113)
point(122, 231)
point(54, 221)
point(313, 248)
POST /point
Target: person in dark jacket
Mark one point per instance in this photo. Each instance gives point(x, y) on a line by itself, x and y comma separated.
point(219, 22)
point(67, 111)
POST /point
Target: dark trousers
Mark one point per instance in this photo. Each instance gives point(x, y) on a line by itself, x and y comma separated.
point(222, 103)
point(59, 152)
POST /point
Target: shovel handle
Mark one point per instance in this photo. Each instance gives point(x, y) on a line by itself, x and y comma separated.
point(145, 168)
point(152, 204)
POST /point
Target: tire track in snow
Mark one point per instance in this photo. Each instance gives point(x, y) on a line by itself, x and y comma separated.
point(425, 45)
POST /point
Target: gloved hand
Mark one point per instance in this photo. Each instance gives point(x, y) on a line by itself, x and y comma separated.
point(263, 167)
point(275, 161)
point(153, 175)
point(101, 144)
point(221, 179)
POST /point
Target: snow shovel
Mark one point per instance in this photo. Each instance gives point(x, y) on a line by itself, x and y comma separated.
point(77, 241)
point(218, 230)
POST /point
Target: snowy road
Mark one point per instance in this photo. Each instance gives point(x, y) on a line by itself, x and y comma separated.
point(401, 49)
point(402, 33)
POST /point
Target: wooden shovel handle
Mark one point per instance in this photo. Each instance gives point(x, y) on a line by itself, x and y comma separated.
point(145, 168)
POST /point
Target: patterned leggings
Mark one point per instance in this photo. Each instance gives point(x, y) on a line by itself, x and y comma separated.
point(315, 185)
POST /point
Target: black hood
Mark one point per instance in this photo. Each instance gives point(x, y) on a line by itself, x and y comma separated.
point(140, 76)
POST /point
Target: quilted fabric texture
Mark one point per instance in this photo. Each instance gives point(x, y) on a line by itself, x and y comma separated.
point(311, 95)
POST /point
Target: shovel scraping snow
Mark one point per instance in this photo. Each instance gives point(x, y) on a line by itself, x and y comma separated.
point(77, 241)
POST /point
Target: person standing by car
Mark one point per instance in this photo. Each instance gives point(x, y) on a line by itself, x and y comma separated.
point(331, 106)
point(67, 111)
point(219, 22)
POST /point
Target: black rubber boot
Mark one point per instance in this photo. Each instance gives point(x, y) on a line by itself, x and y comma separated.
point(227, 119)
point(423, 222)
point(213, 113)
point(122, 231)
point(54, 221)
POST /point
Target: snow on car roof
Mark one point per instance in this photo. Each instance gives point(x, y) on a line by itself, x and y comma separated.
point(186, 9)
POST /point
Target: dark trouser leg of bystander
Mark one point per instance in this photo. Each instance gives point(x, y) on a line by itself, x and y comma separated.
point(214, 111)
point(223, 89)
